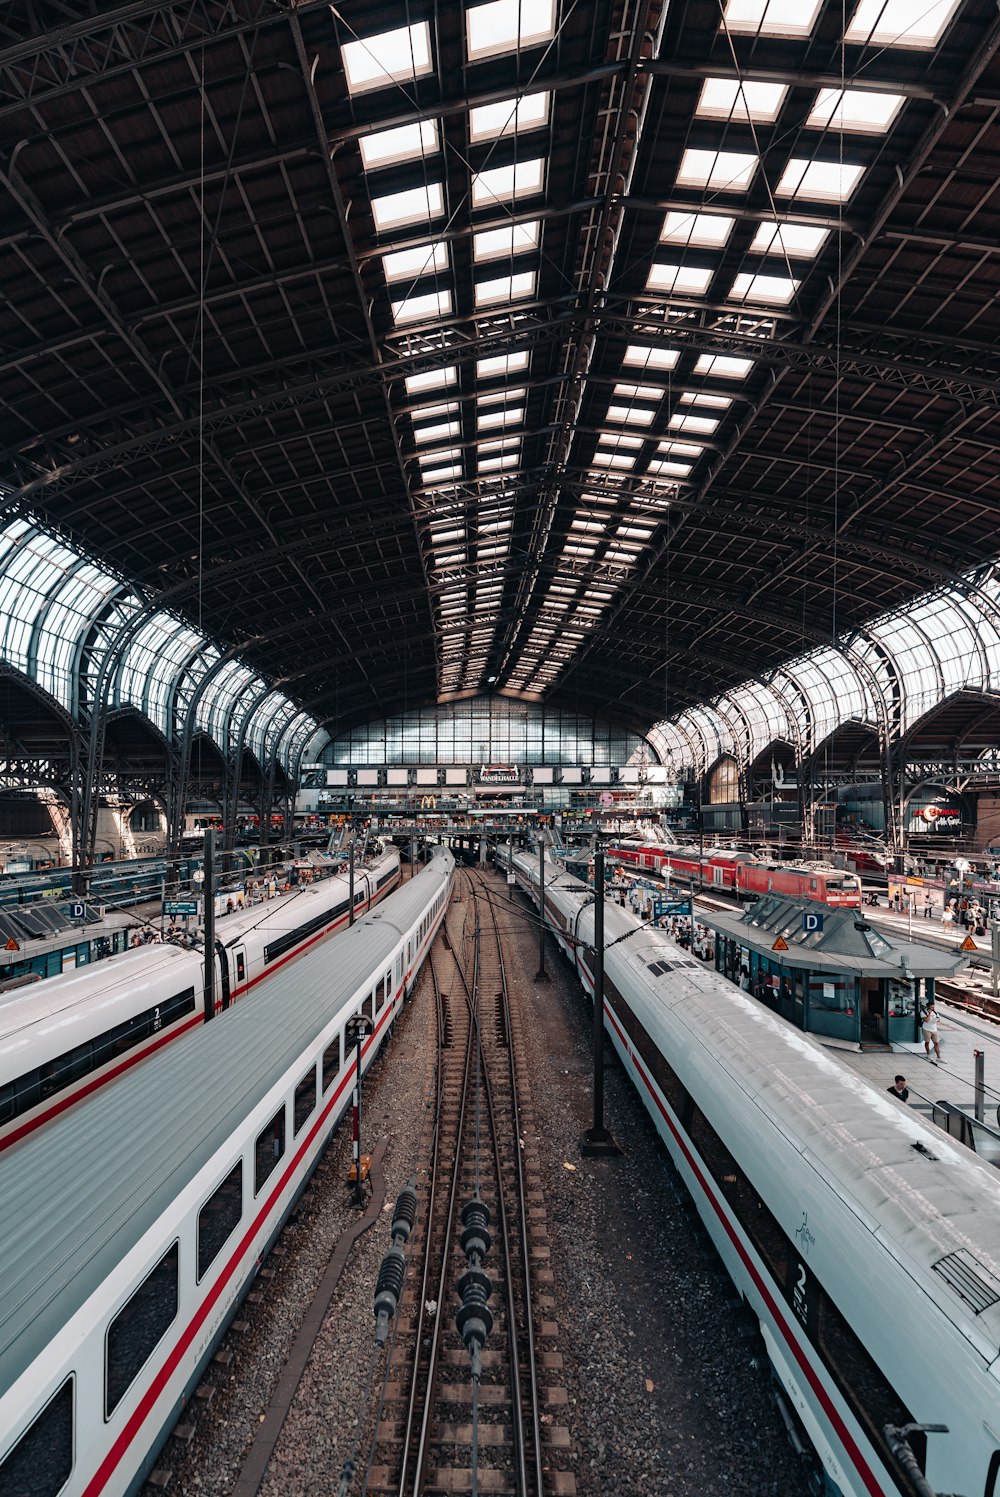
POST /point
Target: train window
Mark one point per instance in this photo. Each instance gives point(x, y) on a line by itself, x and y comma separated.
point(368, 1007)
point(360, 895)
point(331, 1063)
point(399, 969)
point(41, 1461)
point(219, 1218)
point(141, 1322)
point(873, 1399)
point(55, 1075)
point(241, 967)
point(8, 1101)
point(763, 1229)
point(269, 1148)
point(305, 1099)
point(380, 995)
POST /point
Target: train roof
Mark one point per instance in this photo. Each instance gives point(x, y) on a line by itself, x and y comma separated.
point(82, 1192)
point(54, 995)
point(934, 1205)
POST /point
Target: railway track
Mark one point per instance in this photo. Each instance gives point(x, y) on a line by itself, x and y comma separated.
point(463, 1415)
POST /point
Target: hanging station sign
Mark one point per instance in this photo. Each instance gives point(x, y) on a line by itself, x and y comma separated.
point(498, 774)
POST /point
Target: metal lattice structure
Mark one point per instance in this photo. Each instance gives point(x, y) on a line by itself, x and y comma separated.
point(609, 354)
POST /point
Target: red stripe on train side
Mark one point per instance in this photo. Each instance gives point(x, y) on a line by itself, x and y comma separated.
point(135, 1422)
point(871, 1482)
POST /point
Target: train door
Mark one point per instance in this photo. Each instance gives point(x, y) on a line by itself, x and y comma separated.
point(223, 960)
point(718, 875)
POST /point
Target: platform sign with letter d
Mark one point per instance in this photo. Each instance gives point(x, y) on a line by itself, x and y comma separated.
point(812, 922)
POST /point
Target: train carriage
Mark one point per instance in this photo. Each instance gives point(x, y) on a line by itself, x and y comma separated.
point(742, 874)
point(132, 1229)
point(863, 1239)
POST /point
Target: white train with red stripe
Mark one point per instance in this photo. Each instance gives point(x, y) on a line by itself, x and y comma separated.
point(133, 1227)
point(864, 1240)
point(66, 1037)
point(741, 873)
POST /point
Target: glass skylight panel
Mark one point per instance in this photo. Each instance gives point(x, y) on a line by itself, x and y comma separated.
point(722, 366)
point(777, 290)
point(613, 460)
point(508, 26)
point(488, 121)
point(819, 181)
point(741, 100)
point(508, 416)
point(715, 402)
point(391, 57)
point(699, 230)
point(494, 244)
point(408, 264)
point(504, 184)
point(635, 532)
point(438, 432)
point(414, 205)
point(420, 308)
point(406, 143)
point(443, 455)
point(686, 280)
point(619, 439)
point(900, 23)
point(499, 444)
point(494, 464)
point(640, 356)
point(507, 396)
point(427, 412)
point(436, 475)
point(668, 468)
point(854, 109)
point(680, 449)
point(771, 17)
point(432, 379)
point(702, 425)
point(504, 363)
point(723, 171)
point(796, 241)
point(632, 414)
point(637, 392)
point(506, 288)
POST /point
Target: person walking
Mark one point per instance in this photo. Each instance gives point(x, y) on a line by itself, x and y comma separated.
point(931, 1032)
point(899, 1089)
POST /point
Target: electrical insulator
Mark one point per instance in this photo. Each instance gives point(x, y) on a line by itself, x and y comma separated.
point(474, 1317)
point(389, 1284)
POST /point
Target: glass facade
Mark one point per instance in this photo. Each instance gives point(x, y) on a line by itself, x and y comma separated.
point(490, 730)
point(886, 676)
point(62, 617)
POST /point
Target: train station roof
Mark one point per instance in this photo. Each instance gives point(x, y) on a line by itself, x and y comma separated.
point(605, 354)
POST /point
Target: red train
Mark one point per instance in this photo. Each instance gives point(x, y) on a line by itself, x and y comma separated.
point(741, 873)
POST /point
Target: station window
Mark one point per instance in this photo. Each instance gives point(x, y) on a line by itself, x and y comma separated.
point(219, 1218)
point(331, 1063)
point(139, 1325)
point(269, 1148)
point(41, 1461)
point(305, 1100)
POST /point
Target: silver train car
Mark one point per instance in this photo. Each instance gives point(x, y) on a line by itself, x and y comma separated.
point(132, 1227)
point(64, 1038)
point(865, 1242)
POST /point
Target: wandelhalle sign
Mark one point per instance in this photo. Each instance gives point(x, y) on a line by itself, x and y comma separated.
point(499, 774)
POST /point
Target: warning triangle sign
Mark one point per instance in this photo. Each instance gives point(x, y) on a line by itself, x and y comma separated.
point(780, 944)
point(12, 945)
point(968, 945)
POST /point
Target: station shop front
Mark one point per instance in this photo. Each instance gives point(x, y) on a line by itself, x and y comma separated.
point(829, 972)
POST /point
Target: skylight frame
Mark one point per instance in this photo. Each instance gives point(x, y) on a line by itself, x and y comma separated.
point(411, 264)
point(518, 115)
point(426, 306)
point(500, 365)
point(882, 31)
point(810, 180)
point(431, 379)
point(678, 280)
point(506, 243)
point(496, 186)
point(784, 18)
point(388, 148)
point(764, 290)
point(697, 230)
point(717, 171)
point(788, 240)
point(426, 200)
point(388, 57)
point(723, 366)
point(844, 109)
point(498, 27)
point(650, 356)
point(741, 101)
point(499, 291)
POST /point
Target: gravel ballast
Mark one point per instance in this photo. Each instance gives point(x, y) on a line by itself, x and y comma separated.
point(668, 1395)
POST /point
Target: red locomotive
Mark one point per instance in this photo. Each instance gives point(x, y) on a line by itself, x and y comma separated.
point(741, 873)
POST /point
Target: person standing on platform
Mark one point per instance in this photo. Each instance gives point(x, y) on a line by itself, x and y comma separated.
point(931, 1027)
point(899, 1089)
